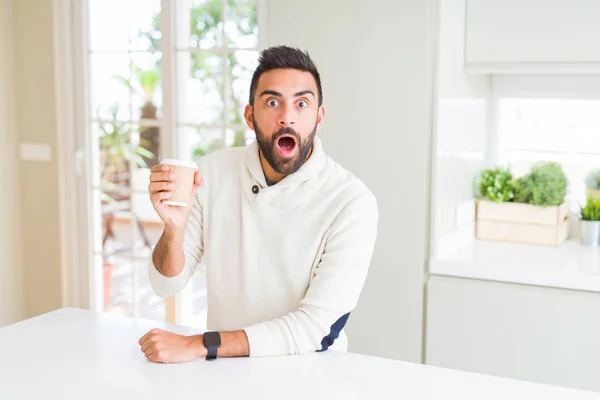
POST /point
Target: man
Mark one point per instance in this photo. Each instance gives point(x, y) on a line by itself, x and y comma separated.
point(286, 233)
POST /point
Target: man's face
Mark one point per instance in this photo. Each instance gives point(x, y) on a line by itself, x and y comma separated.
point(285, 117)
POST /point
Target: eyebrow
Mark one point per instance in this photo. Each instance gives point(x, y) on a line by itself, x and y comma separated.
point(274, 93)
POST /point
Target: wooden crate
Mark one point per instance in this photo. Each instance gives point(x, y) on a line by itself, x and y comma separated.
point(522, 223)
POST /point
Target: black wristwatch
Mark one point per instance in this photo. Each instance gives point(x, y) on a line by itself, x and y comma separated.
point(212, 342)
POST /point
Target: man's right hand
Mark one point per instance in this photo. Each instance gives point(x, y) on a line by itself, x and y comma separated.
point(161, 186)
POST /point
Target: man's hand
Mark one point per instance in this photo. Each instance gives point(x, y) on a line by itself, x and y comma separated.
point(162, 183)
point(166, 347)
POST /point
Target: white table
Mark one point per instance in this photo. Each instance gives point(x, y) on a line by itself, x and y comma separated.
point(76, 354)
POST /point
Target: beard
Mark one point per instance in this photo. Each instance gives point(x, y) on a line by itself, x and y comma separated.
point(268, 147)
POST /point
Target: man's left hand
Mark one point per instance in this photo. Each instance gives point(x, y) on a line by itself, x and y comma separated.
point(160, 346)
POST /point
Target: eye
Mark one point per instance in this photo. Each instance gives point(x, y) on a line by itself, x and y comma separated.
point(272, 103)
point(302, 104)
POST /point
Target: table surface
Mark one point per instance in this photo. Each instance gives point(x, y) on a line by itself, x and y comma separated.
point(77, 354)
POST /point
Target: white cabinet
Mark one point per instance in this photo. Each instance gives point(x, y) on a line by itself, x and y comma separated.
point(517, 35)
point(531, 333)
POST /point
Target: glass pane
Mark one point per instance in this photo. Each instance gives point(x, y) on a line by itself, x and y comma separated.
point(144, 23)
point(111, 232)
point(554, 125)
point(119, 142)
point(200, 88)
point(241, 28)
point(117, 285)
point(117, 227)
point(121, 149)
point(196, 142)
point(150, 305)
point(205, 29)
point(121, 25)
point(238, 136)
point(241, 66)
point(110, 96)
point(114, 151)
point(127, 230)
point(545, 129)
point(109, 25)
point(146, 85)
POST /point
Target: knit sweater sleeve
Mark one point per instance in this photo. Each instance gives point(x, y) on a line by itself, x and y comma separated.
point(333, 291)
point(193, 249)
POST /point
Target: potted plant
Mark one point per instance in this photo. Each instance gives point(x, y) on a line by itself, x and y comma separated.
point(531, 209)
point(146, 83)
point(592, 184)
point(590, 222)
point(497, 185)
point(545, 185)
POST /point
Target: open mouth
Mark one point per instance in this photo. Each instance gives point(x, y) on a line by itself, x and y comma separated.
point(286, 145)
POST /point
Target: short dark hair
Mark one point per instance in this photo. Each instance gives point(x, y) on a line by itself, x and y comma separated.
point(285, 57)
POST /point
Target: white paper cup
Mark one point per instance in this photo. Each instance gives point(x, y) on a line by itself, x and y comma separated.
point(184, 181)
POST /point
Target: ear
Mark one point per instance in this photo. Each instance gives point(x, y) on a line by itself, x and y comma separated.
point(320, 116)
point(248, 116)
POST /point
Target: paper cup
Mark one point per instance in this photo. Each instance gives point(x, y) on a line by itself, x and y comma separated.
point(184, 181)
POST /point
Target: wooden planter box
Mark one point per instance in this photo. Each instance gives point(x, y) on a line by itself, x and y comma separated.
point(522, 223)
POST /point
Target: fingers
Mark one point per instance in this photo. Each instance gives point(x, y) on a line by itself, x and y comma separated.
point(197, 183)
point(197, 179)
point(155, 358)
point(159, 167)
point(150, 333)
point(149, 345)
point(155, 187)
point(144, 338)
point(157, 198)
point(162, 176)
point(195, 188)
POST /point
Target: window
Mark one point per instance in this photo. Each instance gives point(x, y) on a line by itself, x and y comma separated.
point(215, 57)
point(554, 119)
point(165, 79)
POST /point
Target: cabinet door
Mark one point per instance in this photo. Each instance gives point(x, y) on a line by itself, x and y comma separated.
point(532, 32)
point(530, 333)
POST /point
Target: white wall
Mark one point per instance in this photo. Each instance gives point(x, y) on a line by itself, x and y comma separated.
point(463, 107)
point(36, 116)
point(375, 59)
point(12, 300)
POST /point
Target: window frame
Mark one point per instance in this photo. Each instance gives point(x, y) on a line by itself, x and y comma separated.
point(73, 82)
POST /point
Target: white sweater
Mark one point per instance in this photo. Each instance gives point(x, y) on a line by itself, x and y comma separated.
point(285, 264)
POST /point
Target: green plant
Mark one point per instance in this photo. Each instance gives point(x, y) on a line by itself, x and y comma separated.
point(545, 185)
point(115, 142)
point(593, 180)
point(147, 79)
point(116, 151)
point(497, 185)
point(203, 150)
point(591, 211)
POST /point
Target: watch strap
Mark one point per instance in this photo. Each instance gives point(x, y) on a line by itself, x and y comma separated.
point(212, 353)
point(212, 342)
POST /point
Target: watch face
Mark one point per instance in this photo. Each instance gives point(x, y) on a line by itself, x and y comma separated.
point(212, 339)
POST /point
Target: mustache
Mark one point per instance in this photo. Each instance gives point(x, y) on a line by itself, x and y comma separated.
point(286, 131)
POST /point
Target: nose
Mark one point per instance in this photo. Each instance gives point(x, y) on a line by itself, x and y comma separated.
point(287, 117)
